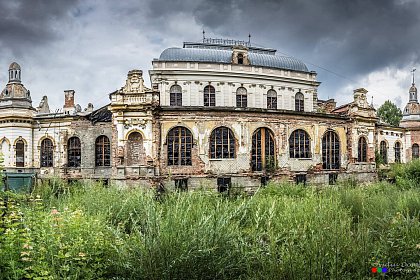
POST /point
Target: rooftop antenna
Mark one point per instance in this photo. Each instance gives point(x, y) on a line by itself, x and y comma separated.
point(249, 38)
point(412, 71)
point(204, 35)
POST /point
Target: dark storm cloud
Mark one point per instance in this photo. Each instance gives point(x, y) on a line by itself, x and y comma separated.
point(28, 24)
point(351, 37)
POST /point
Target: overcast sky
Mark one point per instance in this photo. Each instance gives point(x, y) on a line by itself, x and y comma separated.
point(89, 46)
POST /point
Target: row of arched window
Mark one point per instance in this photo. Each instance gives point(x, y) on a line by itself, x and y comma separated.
point(383, 151)
point(74, 152)
point(209, 93)
point(263, 156)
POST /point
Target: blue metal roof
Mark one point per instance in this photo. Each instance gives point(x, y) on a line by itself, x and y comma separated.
point(225, 56)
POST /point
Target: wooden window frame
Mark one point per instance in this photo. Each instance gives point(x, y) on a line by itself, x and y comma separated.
point(415, 151)
point(179, 142)
point(209, 96)
point(299, 102)
point(20, 153)
point(74, 152)
point(300, 144)
point(397, 150)
point(241, 97)
point(102, 151)
point(47, 153)
point(272, 99)
point(330, 151)
point(175, 95)
point(263, 151)
point(222, 143)
point(383, 151)
point(362, 149)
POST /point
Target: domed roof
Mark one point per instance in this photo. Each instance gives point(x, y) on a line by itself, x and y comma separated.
point(14, 66)
point(225, 56)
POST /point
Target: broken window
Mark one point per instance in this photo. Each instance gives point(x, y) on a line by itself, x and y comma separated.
point(20, 153)
point(180, 143)
point(299, 144)
point(300, 179)
point(224, 184)
point(176, 95)
point(209, 96)
point(383, 152)
point(47, 153)
point(330, 150)
point(181, 184)
point(263, 150)
point(222, 143)
point(362, 150)
point(135, 151)
point(271, 99)
point(299, 102)
point(74, 152)
point(241, 97)
point(397, 148)
point(102, 151)
point(415, 151)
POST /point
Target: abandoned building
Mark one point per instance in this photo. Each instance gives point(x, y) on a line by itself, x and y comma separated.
point(219, 113)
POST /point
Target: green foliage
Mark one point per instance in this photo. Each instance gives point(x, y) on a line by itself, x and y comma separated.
point(406, 175)
point(390, 113)
point(282, 232)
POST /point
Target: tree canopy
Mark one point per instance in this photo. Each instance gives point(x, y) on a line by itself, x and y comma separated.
point(390, 113)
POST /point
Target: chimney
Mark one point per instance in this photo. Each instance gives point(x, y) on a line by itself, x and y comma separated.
point(68, 100)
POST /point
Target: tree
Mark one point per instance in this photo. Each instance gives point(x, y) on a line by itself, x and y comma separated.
point(390, 113)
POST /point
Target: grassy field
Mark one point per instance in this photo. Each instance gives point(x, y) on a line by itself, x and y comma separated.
point(282, 232)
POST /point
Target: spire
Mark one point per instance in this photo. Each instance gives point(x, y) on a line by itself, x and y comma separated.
point(412, 71)
point(413, 90)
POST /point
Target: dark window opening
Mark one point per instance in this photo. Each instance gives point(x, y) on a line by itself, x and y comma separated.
point(20, 153)
point(209, 96)
point(415, 151)
point(263, 150)
point(222, 143)
point(47, 153)
point(332, 178)
point(241, 98)
point(74, 153)
point(180, 143)
point(240, 58)
point(175, 95)
point(181, 184)
point(135, 152)
point(330, 151)
point(272, 99)
point(397, 149)
point(301, 179)
point(224, 184)
point(299, 102)
point(383, 152)
point(299, 144)
point(264, 180)
point(102, 151)
point(362, 150)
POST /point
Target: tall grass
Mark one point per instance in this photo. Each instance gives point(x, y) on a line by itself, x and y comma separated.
point(282, 232)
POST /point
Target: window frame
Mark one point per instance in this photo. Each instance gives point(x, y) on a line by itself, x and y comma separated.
point(222, 143)
point(272, 99)
point(383, 151)
point(397, 151)
point(362, 149)
point(102, 151)
point(209, 93)
point(177, 138)
point(300, 144)
point(263, 150)
point(241, 97)
point(299, 102)
point(415, 151)
point(175, 95)
point(46, 157)
point(330, 145)
point(74, 152)
point(20, 153)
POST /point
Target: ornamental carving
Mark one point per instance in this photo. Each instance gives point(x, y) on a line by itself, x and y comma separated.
point(135, 122)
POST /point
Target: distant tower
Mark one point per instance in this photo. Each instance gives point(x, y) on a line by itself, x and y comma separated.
point(413, 91)
point(15, 95)
point(14, 73)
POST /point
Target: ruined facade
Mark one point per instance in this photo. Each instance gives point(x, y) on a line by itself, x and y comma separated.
point(218, 114)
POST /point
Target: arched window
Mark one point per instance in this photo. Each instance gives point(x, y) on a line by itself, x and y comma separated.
point(415, 151)
point(299, 144)
point(362, 150)
point(209, 96)
point(135, 153)
point(222, 143)
point(383, 152)
point(176, 95)
point(263, 150)
point(299, 102)
point(47, 153)
point(397, 148)
point(272, 99)
point(74, 152)
point(179, 142)
point(102, 151)
point(240, 58)
point(20, 153)
point(241, 97)
point(330, 150)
